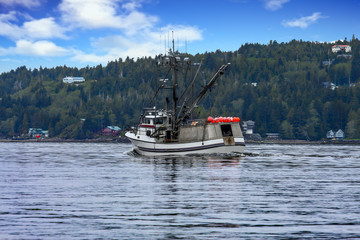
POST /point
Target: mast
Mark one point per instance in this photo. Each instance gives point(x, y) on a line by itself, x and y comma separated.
point(175, 72)
point(174, 64)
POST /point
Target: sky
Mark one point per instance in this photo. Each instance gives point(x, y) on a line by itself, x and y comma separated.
point(80, 33)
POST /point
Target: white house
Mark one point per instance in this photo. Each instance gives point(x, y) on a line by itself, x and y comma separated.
point(248, 127)
point(38, 132)
point(337, 48)
point(330, 134)
point(73, 79)
point(340, 134)
point(330, 85)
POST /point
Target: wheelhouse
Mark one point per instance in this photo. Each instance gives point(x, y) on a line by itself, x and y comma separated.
point(154, 120)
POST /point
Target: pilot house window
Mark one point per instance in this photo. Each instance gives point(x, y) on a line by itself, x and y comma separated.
point(159, 121)
point(226, 130)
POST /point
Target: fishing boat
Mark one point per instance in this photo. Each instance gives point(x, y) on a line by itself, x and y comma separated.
point(170, 130)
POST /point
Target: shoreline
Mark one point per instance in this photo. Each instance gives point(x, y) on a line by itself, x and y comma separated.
point(125, 140)
point(305, 142)
point(60, 140)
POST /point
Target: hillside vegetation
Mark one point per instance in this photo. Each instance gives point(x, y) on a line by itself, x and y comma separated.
point(280, 86)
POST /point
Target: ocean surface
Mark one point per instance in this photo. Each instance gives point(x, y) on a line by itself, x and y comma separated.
point(105, 191)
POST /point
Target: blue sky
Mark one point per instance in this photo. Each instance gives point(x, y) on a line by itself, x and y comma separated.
point(78, 33)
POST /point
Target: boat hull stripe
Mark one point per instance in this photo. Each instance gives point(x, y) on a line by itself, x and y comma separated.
point(189, 149)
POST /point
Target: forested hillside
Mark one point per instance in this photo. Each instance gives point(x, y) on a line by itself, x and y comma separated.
point(280, 86)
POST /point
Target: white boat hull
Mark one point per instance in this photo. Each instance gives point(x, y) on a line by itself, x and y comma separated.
point(148, 147)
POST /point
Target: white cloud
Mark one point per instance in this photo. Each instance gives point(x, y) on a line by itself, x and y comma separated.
point(182, 32)
point(137, 36)
point(135, 33)
point(39, 48)
point(44, 28)
point(11, 16)
point(131, 6)
point(146, 43)
point(91, 58)
point(274, 5)
point(137, 21)
point(89, 14)
point(25, 3)
point(7, 28)
point(105, 14)
point(303, 22)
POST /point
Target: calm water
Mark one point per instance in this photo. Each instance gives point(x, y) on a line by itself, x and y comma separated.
point(89, 190)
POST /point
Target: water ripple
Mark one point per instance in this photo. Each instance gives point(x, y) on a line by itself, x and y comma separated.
point(90, 190)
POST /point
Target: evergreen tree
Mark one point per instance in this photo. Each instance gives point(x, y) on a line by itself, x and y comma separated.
point(280, 86)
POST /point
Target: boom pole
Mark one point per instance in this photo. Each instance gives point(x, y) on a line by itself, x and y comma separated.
point(219, 72)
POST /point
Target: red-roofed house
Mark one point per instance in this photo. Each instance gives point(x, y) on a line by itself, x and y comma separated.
point(337, 48)
point(111, 130)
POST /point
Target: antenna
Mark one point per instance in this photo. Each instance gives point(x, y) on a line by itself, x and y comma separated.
point(178, 44)
point(168, 40)
point(173, 42)
point(160, 42)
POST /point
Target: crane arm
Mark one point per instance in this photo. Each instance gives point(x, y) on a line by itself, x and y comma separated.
point(219, 72)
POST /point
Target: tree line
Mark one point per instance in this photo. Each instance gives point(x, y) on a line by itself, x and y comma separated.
point(283, 87)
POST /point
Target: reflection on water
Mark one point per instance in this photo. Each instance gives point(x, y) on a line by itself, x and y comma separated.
point(88, 190)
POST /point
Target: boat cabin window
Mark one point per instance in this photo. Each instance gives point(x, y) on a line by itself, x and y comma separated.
point(149, 121)
point(226, 130)
point(159, 120)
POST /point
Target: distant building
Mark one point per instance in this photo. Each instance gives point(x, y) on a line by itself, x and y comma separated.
point(37, 132)
point(327, 63)
point(346, 56)
point(337, 48)
point(111, 131)
point(330, 134)
point(273, 136)
point(248, 127)
point(73, 79)
point(330, 85)
point(339, 135)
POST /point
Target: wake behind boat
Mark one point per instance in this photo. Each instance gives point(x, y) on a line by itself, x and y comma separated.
point(170, 132)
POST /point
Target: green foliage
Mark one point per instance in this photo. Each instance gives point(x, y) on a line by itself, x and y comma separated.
point(278, 85)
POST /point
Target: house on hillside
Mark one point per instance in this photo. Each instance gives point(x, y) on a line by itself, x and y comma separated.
point(339, 135)
point(111, 131)
point(330, 134)
point(273, 136)
point(248, 127)
point(37, 133)
point(73, 79)
point(346, 56)
point(330, 85)
point(337, 48)
point(327, 62)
